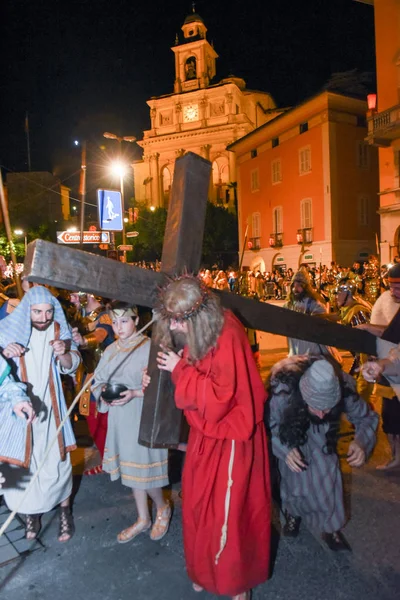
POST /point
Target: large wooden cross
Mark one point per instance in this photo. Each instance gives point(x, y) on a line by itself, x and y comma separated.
point(71, 269)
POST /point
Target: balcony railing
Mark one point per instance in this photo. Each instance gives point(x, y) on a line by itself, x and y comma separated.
point(305, 235)
point(384, 127)
point(276, 240)
point(255, 243)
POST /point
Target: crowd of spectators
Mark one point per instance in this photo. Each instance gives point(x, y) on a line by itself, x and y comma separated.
point(369, 277)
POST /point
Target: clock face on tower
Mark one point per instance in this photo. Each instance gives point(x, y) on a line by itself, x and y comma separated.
point(190, 113)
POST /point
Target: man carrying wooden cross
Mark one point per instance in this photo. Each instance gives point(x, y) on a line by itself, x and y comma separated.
point(226, 487)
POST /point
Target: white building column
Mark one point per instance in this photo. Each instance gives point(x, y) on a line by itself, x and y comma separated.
point(155, 179)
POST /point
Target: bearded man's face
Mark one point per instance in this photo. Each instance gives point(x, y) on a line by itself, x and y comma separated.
point(298, 290)
point(42, 316)
point(179, 331)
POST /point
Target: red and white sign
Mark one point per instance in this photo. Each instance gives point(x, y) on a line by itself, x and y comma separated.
point(89, 237)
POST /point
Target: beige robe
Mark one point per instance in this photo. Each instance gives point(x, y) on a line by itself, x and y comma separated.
point(138, 466)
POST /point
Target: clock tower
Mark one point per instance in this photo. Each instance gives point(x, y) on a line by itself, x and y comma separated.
point(194, 57)
point(201, 115)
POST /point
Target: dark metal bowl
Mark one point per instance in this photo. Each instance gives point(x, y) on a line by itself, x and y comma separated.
point(113, 391)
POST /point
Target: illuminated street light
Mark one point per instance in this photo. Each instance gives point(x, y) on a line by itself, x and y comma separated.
point(20, 232)
point(152, 208)
point(76, 142)
point(126, 219)
point(119, 169)
point(72, 229)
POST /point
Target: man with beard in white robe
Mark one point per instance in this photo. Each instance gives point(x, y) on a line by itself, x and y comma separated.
point(38, 338)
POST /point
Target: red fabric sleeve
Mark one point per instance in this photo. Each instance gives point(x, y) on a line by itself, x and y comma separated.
point(217, 393)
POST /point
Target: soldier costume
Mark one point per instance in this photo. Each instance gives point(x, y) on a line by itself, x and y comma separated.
point(354, 311)
point(93, 334)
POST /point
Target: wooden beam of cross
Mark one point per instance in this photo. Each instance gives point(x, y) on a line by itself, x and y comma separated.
point(64, 267)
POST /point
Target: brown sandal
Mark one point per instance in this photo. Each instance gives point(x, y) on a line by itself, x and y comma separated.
point(128, 534)
point(32, 526)
point(161, 524)
point(66, 525)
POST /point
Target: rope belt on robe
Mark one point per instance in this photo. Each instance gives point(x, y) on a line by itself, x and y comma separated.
point(224, 530)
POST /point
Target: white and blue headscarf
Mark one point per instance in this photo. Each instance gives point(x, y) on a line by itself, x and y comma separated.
point(17, 327)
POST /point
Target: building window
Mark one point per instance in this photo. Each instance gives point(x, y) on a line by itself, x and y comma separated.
point(256, 225)
point(303, 127)
point(305, 160)
point(362, 155)
point(275, 142)
point(276, 171)
point(253, 153)
point(363, 211)
point(254, 181)
point(306, 213)
point(277, 219)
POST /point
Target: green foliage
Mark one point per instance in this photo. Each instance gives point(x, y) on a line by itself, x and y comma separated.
point(220, 235)
point(151, 226)
point(221, 242)
point(18, 241)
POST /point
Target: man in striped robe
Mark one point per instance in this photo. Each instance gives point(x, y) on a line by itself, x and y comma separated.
point(308, 395)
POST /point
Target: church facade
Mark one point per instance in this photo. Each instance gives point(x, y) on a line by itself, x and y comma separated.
point(198, 116)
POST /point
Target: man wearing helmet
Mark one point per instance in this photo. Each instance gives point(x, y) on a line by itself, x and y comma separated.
point(354, 311)
point(97, 335)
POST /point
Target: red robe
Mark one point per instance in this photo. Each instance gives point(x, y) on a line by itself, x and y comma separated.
point(223, 398)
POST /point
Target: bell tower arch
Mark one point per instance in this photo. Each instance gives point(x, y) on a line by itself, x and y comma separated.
point(195, 57)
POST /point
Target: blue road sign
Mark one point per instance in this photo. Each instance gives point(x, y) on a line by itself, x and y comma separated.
point(109, 205)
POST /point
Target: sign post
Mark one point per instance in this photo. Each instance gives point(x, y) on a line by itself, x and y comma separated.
point(88, 237)
point(109, 204)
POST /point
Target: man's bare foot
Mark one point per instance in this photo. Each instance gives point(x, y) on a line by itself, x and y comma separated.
point(66, 524)
point(392, 464)
point(32, 526)
point(197, 588)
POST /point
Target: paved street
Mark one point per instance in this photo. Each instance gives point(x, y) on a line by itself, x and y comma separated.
point(93, 565)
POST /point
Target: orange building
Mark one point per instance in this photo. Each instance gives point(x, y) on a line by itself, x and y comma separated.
point(307, 186)
point(384, 122)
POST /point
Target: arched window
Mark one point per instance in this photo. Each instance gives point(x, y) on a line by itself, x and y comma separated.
point(166, 185)
point(190, 68)
point(220, 179)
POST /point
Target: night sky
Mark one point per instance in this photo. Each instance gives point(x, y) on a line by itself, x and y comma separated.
point(82, 67)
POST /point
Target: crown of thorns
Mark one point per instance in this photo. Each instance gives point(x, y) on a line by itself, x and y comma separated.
point(191, 311)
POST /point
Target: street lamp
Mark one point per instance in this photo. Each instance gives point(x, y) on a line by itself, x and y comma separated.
point(124, 138)
point(119, 169)
point(21, 232)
